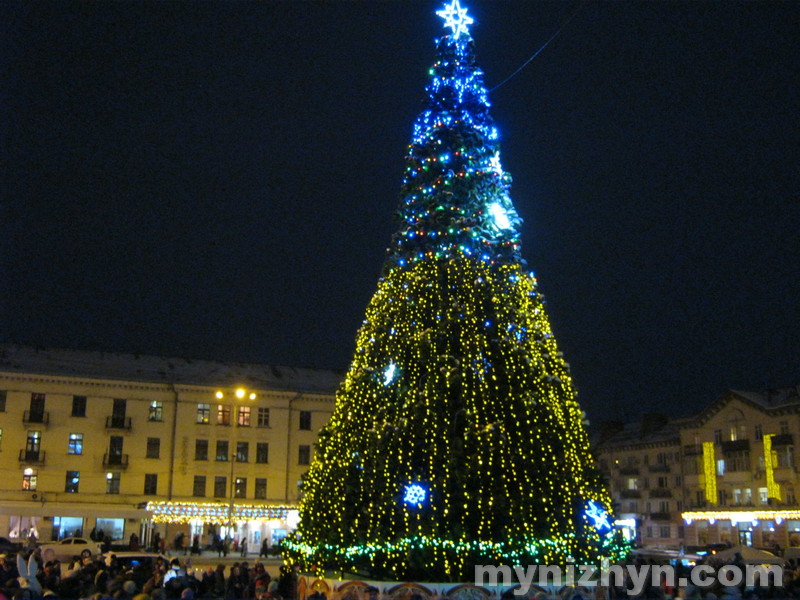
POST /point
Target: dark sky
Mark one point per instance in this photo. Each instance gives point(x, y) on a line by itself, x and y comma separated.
point(217, 180)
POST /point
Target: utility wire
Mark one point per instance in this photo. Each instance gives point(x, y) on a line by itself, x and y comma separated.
point(535, 54)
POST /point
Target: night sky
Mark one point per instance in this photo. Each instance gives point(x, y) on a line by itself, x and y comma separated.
point(218, 180)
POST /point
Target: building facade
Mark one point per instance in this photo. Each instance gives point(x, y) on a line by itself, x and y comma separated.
point(725, 475)
point(135, 444)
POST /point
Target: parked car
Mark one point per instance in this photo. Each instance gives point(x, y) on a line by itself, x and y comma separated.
point(68, 547)
point(9, 547)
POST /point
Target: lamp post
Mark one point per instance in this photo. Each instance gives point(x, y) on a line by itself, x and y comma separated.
point(240, 394)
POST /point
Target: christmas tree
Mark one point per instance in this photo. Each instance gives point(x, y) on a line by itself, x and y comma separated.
point(456, 439)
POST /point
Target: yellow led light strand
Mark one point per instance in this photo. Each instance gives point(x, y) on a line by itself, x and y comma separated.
point(773, 488)
point(710, 472)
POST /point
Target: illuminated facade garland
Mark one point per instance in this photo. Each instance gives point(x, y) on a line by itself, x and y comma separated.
point(740, 516)
point(710, 472)
point(773, 488)
point(215, 512)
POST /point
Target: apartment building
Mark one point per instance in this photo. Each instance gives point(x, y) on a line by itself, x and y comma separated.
point(138, 444)
point(726, 474)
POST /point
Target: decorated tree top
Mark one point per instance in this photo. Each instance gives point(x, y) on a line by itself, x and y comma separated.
point(454, 198)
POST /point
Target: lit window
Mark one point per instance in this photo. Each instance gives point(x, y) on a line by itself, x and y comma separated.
point(112, 483)
point(223, 414)
point(240, 487)
point(156, 411)
point(73, 481)
point(204, 413)
point(75, 443)
point(243, 416)
point(29, 479)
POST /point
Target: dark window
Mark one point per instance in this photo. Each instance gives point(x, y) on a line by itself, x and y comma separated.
point(304, 455)
point(37, 408)
point(261, 488)
point(199, 487)
point(79, 406)
point(222, 450)
point(220, 486)
point(263, 417)
point(240, 487)
point(153, 447)
point(151, 484)
point(305, 420)
point(3, 400)
point(118, 412)
point(73, 481)
point(201, 449)
point(242, 451)
point(262, 452)
point(115, 450)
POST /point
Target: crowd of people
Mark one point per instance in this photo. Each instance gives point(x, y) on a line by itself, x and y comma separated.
point(93, 577)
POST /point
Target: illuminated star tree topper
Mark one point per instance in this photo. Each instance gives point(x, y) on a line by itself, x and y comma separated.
point(456, 18)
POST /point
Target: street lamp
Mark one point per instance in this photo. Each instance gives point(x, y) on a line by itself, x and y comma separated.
point(239, 393)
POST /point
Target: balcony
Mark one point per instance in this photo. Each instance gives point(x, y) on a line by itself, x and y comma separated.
point(630, 494)
point(661, 493)
point(36, 417)
point(658, 468)
point(116, 461)
point(118, 423)
point(735, 446)
point(783, 439)
point(692, 449)
point(661, 516)
point(629, 470)
point(31, 457)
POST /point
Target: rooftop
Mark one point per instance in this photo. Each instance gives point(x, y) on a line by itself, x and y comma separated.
point(160, 369)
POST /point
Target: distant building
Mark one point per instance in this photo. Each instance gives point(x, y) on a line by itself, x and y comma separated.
point(138, 444)
point(727, 474)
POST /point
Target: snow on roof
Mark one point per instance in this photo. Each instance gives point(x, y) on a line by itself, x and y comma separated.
point(772, 398)
point(159, 369)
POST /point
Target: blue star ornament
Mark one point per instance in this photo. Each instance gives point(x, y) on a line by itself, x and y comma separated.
point(456, 18)
point(414, 494)
point(598, 515)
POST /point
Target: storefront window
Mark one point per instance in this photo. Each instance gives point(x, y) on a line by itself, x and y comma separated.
point(112, 527)
point(64, 527)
